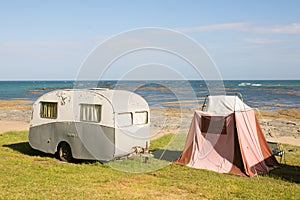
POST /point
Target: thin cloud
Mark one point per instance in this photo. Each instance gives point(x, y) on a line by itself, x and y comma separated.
point(215, 27)
point(293, 28)
point(262, 40)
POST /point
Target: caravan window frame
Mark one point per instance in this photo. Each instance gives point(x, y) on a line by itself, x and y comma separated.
point(45, 106)
point(124, 113)
point(89, 117)
point(132, 117)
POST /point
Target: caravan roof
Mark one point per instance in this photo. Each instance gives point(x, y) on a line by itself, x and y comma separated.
point(121, 100)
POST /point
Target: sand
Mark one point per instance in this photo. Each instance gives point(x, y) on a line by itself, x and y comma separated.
point(14, 115)
point(282, 126)
point(13, 126)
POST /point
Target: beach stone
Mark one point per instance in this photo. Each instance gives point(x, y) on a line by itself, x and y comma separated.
point(275, 123)
point(3, 114)
point(291, 123)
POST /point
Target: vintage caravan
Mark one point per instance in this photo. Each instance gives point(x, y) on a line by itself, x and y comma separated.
point(92, 124)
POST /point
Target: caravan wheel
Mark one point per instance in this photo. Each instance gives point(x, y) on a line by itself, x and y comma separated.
point(64, 152)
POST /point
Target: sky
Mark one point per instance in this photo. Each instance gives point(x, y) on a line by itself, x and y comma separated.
point(50, 40)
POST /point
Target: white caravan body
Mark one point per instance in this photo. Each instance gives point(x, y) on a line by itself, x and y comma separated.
point(97, 124)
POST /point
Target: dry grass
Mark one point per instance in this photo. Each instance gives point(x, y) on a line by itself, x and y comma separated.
point(15, 105)
point(290, 114)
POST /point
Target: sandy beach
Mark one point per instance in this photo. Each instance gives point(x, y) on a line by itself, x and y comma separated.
point(282, 126)
point(13, 126)
point(14, 115)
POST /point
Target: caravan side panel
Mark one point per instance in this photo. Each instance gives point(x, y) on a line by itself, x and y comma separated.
point(98, 142)
point(87, 141)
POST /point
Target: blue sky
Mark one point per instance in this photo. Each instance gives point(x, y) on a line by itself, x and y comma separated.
point(246, 39)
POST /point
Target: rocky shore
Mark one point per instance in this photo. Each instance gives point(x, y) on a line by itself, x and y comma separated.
point(282, 126)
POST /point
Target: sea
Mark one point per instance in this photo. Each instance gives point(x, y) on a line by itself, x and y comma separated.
point(268, 95)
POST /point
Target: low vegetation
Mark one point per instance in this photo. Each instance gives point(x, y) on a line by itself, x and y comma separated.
point(15, 104)
point(29, 174)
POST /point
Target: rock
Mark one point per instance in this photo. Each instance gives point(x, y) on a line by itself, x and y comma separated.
point(275, 123)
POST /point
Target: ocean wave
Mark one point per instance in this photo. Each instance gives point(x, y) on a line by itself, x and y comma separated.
point(256, 84)
point(249, 84)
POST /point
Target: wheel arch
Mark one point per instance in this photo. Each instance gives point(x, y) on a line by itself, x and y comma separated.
point(59, 143)
point(64, 152)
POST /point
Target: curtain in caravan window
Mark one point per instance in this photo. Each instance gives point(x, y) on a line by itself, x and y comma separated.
point(48, 110)
point(90, 112)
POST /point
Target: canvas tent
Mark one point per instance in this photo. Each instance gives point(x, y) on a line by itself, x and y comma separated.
point(227, 138)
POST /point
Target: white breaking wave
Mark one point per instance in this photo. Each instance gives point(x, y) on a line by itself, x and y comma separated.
point(250, 84)
point(256, 84)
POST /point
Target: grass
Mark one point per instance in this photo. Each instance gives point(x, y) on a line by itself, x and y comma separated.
point(29, 174)
point(165, 150)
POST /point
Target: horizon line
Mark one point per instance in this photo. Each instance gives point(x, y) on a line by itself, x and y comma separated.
point(72, 80)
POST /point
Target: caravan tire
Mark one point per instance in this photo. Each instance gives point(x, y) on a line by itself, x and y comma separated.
point(64, 152)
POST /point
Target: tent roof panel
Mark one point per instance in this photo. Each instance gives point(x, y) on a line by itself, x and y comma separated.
point(223, 104)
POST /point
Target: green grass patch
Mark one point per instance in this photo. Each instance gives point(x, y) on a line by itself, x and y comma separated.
point(169, 141)
point(162, 142)
point(29, 174)
point(164, 150)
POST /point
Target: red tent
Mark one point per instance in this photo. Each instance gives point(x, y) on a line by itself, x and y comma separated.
point(227, 138)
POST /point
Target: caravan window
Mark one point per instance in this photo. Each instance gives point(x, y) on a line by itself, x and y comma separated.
point(140, 117)
point(90, 112)
point(48, 110)
point(124, 119)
